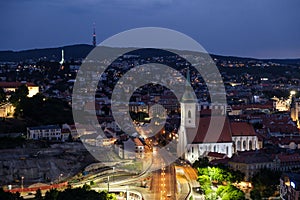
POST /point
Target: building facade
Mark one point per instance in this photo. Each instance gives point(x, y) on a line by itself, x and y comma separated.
point(203, 131)
point(13, 86)
point(290, 186)
point(49, 132)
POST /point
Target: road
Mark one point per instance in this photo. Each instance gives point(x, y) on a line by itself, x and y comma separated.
point(191, 175)
point(163, 184)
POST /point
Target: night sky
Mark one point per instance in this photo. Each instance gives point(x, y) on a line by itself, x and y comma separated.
point(255, 28)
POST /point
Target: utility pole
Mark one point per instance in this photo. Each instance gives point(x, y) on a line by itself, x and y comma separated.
point(108, 184)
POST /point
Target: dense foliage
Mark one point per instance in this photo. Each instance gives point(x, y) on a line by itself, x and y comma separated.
point(82, 193)
point(2, 95)
point(229, 192)
point(9, 196)
point(40, 109)
point(218, 175)
point(265, 184)
point(11, 142)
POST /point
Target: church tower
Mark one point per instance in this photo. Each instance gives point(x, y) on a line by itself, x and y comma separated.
point(188, 107)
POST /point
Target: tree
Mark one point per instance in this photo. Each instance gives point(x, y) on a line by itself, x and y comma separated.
point(18, 98)
point(264, 182)
point(20, 94)
point(105, 195)
point(86, 187)
point(201, 162)
point(51, 194)
point(84, 194)
point(230, 192)
point(38, 195)
point(2, 95)
point(219, 175)
point(9, 196)
point(255, 194)
point(70, 138)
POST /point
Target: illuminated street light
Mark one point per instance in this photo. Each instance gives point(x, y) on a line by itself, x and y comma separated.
point(113, 173)
point(59, 178)
point(22, 182)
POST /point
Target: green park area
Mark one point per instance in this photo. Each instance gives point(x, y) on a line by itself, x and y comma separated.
point(219, 182)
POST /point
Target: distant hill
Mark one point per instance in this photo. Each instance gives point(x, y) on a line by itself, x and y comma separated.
point(80, 51)
point(71, 52)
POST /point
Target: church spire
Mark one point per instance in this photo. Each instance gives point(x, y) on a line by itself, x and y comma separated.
point(188, 95)
point(188, 78)
point(62, 57)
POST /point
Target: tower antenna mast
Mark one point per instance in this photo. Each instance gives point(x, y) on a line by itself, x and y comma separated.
point(94, 35)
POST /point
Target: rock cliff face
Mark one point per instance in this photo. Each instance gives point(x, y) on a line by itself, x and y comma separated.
point(42, 165)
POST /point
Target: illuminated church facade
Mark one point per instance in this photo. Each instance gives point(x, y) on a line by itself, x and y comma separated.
point(201, 132)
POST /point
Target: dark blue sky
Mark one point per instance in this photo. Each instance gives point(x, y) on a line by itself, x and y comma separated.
point(256, 28)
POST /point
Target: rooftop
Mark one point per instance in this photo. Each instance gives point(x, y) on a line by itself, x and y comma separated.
point(44, 127)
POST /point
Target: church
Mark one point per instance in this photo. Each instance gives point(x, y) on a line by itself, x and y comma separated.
point(202, 132)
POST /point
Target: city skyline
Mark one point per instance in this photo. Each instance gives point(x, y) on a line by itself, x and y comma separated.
point(267, 29)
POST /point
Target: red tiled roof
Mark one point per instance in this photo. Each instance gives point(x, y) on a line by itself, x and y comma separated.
point(65, 130)
point(216, 155)
point(208, 112)
point(251, 157)
point(223, 161)
point(209, 131)
point(289, 158)
point(138, 142)
point(242, 129)
point(269, 105)
point(285, 140)
point(280, 123)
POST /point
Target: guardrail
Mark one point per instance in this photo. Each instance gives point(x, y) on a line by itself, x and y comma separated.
point(33, 189)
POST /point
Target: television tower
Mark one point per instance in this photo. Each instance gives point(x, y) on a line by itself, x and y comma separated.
point(94, 35)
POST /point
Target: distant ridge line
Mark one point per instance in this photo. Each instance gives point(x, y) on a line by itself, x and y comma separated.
point(80, 51)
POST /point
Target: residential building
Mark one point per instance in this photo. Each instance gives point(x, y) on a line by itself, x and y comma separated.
point(12, 87)
point(131, 149)
point(6, 110)
point(48, 132)
point(139, 148)
point(250, 162)
point(290, 186)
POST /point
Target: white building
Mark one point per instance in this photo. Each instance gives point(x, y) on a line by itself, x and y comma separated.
point(131, 149)
point(243, 136)
point(211, 133)
point(49, 132)
point(13, 86)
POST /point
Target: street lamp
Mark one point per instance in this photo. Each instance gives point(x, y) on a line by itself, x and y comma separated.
point(292, 92)
point(22, 182)
point(108, 184)
point(113, 173)
point(59, 178)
